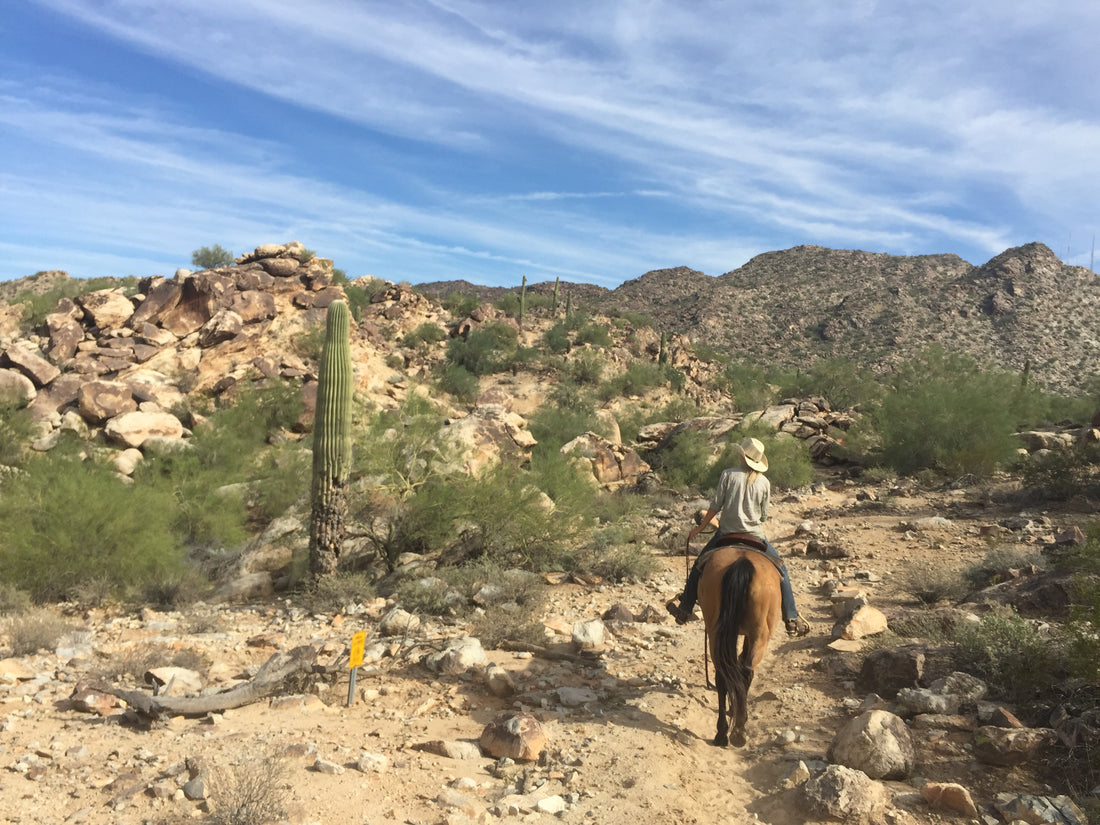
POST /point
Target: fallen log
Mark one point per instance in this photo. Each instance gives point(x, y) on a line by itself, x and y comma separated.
point(268, 679)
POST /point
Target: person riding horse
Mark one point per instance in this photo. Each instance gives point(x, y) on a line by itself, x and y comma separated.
point(742, 497)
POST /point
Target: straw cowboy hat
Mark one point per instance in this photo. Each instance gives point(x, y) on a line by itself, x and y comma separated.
point(752, 451)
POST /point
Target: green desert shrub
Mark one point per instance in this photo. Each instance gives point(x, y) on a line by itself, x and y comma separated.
point(632, 317)
point(595, 334)
point(251, 791)
point(686, 461)
point(69, 521)
point(426, 333)
point(563, 481)
point(485, 350)
point(460, 304)
point(1060, 475)
point(1010, 653)
point(556, 339)
point(358, 299)
point(335, 593)
point(17, 430)
point(210, 257)
point(839, 380)
point(635, 380)
point(13, 601)
point(747, 384)
point(933, 586)
point(568, 414)
point(228, 480)
point(998, 566)
point(587, 367)
point(945, 414)
point(456, 380)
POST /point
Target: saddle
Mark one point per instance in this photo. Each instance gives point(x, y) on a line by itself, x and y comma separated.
point(743, 541)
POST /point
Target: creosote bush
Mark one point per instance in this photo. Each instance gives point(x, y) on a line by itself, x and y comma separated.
point(1059, 475)
point(1010, 653)
point(488, 349)
point(945, 414)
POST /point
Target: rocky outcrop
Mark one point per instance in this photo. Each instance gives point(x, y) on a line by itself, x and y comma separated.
point(122, 361)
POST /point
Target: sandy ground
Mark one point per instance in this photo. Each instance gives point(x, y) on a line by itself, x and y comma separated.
point(641, 753)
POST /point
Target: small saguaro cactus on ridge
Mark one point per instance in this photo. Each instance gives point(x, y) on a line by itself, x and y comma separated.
point(331, 445)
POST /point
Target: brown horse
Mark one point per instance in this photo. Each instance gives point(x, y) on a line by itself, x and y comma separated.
point(739, 594)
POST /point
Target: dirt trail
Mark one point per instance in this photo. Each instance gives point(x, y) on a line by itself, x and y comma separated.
point(641, 753)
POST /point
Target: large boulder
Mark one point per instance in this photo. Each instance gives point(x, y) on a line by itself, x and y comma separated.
point(132, 429)
point(29, 361)
point(108, 308)
point(844, 794)
point(16, 389)
point(877, 743)
point(99, 401)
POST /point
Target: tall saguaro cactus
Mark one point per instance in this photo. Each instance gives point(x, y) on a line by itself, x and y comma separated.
point(331, 445)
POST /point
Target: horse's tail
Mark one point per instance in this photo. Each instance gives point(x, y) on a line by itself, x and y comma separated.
point(731, 617)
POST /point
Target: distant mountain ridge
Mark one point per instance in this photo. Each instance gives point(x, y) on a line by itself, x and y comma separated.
point(791, 307)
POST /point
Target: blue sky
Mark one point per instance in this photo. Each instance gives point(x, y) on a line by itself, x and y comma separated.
point(588, 139)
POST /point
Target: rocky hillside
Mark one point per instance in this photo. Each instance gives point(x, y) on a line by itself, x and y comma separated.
point(785, 308)
point(613, 692)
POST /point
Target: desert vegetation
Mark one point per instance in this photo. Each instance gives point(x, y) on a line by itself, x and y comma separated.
point(72, 530)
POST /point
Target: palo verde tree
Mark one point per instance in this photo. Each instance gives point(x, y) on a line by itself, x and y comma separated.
point(331, 445)
point(209, 257)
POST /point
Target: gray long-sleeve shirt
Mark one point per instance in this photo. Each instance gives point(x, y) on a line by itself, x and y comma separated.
point(744, 506)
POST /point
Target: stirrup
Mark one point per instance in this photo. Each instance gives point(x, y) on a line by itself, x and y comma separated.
point(797, 627)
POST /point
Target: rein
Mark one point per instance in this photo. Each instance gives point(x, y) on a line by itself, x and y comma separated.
point(706, 636)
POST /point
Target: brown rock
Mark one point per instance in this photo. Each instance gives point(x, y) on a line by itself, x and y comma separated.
point(253, 305)
point(225, 325)
point(517, 736)
point(29, 361)
point(161, 299)
point(1011, 746)
point(950, 796)
point(87, 699)
point(866, 621)
point(101, 400)
point(66, 333)
point(323, 297)
point(280, 267)
point(62, 391)
point(108, 308)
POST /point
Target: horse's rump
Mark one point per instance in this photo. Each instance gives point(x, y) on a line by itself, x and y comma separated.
point(740, 596)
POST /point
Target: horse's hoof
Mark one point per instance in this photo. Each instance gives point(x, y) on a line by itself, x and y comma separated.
point(738, 740)
point(720, 741)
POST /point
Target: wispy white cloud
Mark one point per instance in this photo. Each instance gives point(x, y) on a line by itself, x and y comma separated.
point(607, 138)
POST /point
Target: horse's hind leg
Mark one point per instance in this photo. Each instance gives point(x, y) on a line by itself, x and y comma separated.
point(740, 709)
point(721, 738)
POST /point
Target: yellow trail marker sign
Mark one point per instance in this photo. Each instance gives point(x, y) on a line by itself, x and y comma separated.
point(358, 642)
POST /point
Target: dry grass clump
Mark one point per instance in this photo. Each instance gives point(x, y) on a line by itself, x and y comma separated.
point(254, 791)
point(130, 665)
point(35, 630)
